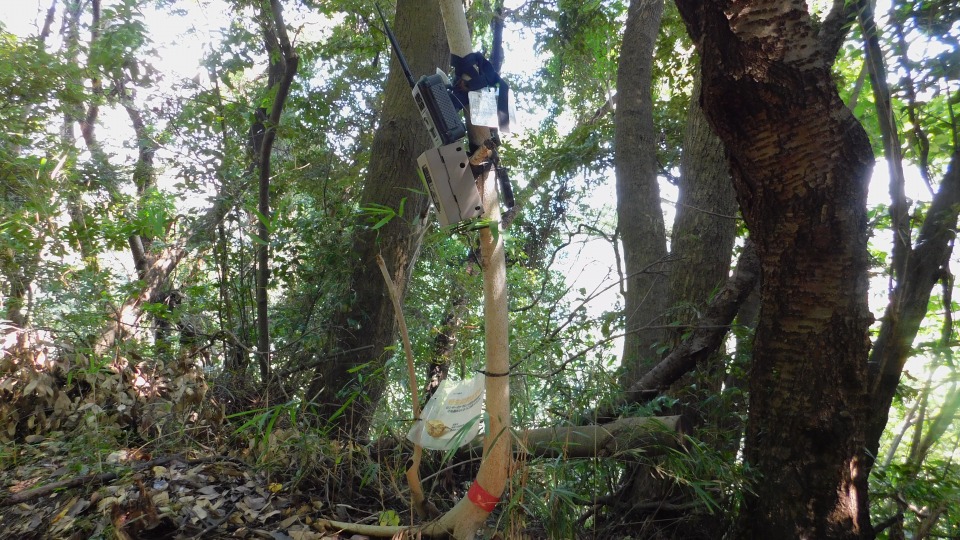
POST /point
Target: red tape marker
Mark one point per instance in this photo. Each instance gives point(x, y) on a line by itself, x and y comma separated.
point(482, 498)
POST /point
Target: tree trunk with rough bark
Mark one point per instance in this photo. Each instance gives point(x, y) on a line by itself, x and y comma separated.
point(705, 225)
point(348, 388)
point(640, 218)
point(800, 163)
point(701, 243)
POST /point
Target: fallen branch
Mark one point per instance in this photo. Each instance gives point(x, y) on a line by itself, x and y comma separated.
point(98, 478)
point(618, 438)
point(709, 333)
point(375, 531)
point(612, 439)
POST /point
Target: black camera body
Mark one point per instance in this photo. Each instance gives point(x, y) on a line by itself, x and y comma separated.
point(435, 103)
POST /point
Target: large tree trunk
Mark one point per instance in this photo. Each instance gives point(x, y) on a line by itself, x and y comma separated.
point(338, 390)
point(701, 244)
point(800, 164)
point(640, 218)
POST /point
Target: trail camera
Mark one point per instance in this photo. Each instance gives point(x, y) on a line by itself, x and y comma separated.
point(446, 173)
point(433, 98)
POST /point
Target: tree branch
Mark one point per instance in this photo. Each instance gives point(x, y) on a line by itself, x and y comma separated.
point(888, 131)
point(902, 319)
point(413, 471)
point(97, 478)
point(611, 439)
point(275, 36)
point(710, 330)
point(835, 27)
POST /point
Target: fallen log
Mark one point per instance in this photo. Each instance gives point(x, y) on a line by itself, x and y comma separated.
point(649, 434)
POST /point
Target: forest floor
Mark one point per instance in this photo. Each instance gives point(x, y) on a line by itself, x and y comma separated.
point(135, 449)
point(69, 487)
point(51, 492)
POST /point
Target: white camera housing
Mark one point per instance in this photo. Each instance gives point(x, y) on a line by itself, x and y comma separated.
point(445, 171)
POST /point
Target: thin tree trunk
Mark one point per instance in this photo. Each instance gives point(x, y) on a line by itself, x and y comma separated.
point(446, 340)
point(469, 514)
point(70, 32)
point(154, 268)
point(160, 266)
point(640, 226)
point(924, 266)
point(19, 268)
point(875, 65)
point(653, 434)
point(126, 320)
point(283, 67)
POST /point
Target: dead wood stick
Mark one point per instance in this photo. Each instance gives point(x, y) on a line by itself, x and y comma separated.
point(99, 478)
point(420, 505)
point(620, 437)
point(34, 493)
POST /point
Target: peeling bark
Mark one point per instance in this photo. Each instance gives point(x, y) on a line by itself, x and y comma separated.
point(800, 163)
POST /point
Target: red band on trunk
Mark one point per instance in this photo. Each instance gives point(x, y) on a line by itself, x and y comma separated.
point(481, 498)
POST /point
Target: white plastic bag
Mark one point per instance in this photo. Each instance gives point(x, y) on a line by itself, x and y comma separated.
point(453, 406)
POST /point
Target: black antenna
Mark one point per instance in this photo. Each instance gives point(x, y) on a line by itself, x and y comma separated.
point(396, 49)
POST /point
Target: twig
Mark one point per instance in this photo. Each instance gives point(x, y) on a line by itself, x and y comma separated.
point(413, 472)
point(99, 478)
point(204, 533)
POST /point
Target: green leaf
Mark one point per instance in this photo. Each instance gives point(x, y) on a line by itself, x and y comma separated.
point(255, 238)
point(266, 221)
point(389, 518)
point(382, 222)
